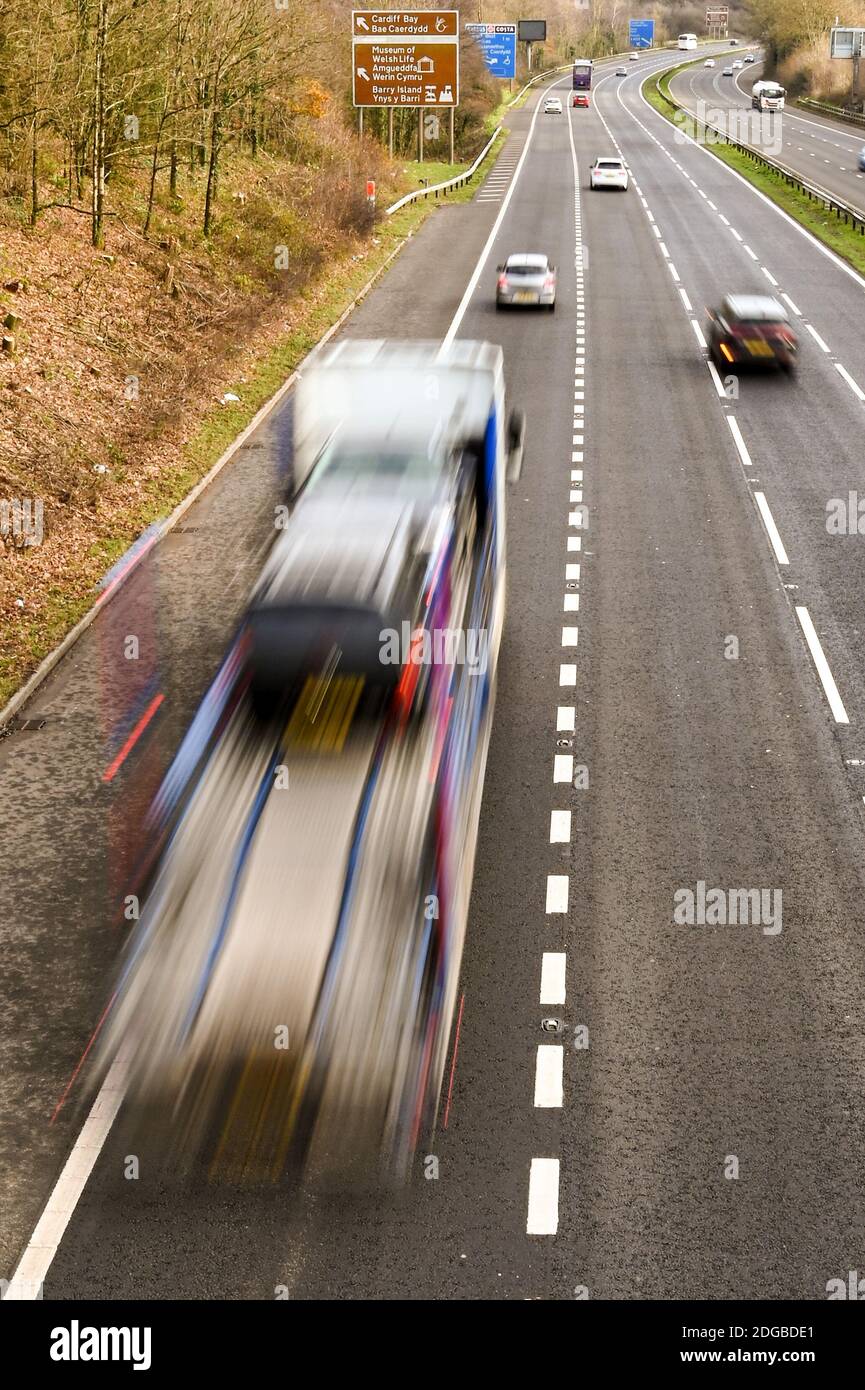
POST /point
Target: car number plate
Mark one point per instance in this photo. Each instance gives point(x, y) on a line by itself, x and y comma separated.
point(525, 297)
point(758, 348)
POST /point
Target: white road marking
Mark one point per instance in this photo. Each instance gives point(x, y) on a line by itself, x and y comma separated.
point(563, 767)
point(788, 301)
point(570, 636)
point(698, 334)
point(565, 719)
point(769, 276)
point(771, 528)
point(672, 269)
point(716, 378)
point(543, 1216)
point(739, 441)
point(575, 543)
point(50, 1228)
point(816, 336)
point(827, 680)
point(553, 973)
point(689, 308)
point(557, 894)
point(549, 1076)
point(560, 827)
point(567, 675)
point(571, 603)
point(572, 571)
point(854, 385)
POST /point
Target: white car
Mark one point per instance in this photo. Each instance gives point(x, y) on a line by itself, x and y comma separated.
point(633, 57)
point(738, 63)
point(728, 72)
point(749, 58)
point(553, 106)
point(621, 72)
point(608, 172)
point(709, 63)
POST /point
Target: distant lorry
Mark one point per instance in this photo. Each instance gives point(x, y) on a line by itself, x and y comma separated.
point(767, 96)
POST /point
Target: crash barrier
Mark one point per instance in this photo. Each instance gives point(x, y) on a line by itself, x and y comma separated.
point(853, 217)
point(854, 117)
point(444, 188)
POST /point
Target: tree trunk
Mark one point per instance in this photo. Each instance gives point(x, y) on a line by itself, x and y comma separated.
point(212, 163)
point(97, 193)
point(34, 161)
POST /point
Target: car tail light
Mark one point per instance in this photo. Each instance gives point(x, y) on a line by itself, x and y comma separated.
point(549, 282)
point(503, 282)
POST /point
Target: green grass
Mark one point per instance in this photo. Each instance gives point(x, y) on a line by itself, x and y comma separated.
point(837, 235)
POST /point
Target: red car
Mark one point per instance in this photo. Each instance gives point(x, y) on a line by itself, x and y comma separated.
point(752, 330)
point(581, 99)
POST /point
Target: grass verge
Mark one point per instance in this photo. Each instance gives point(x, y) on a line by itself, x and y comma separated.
point(318, 306)
point(837, 235)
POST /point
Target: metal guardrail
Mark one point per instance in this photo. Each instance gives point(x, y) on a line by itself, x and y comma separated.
point(467, 174)
point(839, 112)
point(457, 182)
point(852, 216)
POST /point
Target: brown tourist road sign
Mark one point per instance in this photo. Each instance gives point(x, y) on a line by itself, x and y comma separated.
point(405, 58)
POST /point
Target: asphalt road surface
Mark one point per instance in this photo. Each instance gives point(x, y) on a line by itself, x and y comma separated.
point(707, 1141)
point(824, 151)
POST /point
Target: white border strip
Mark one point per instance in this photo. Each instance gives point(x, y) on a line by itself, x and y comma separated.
point(827, 680)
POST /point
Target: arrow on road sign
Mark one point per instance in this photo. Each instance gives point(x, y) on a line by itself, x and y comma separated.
point(362, 72)
point(361, 23)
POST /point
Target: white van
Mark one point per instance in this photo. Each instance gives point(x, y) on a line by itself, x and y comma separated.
point(687, 41)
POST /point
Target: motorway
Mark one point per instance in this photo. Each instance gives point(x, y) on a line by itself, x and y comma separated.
point(677, 719)
point(822, 150)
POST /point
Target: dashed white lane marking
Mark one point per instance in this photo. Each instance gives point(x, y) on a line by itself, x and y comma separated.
point(553, 973)
point(572, 571)
point(563, 767)
point(739, 441)
point(543, 1217)
point(575, 518)
point(571, 603)
point(769, 276)
point(854, 385)
point(557, 893)
point(672, 269)
point(26, 1282)
point(565, 719)
point(567, 674)
point(698, 334)
point(788, 301)
point(816, 336)
point(560, 827)
point(827, 680)
point(576, 475)
point(771, 528)
point(570, 636)
point(752, 254)
point(716, 378)
point(689, 308)
point(549, 1075)
point(575, 543)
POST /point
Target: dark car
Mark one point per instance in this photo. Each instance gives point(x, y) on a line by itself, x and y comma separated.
point(752, 330)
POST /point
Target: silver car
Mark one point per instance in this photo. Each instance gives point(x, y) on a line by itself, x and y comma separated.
point(526, 278)
point(553, 106)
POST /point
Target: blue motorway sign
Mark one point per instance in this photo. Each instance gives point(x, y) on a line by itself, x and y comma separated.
point(498, 44)
point(641, 33)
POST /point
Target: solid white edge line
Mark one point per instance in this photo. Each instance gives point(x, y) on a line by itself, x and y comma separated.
point(836, 704)
point(543, 1212)
point(25, 1284)
point(771, 528)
